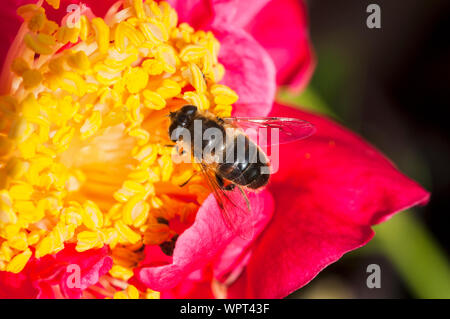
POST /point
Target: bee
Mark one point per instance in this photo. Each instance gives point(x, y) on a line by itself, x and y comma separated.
point(230, 156)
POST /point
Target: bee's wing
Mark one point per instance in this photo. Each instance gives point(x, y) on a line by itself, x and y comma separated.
point(268, 131)
point(234, 205)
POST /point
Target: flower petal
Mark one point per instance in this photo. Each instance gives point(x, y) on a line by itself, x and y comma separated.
point(250, 73)
point(236, 12)
point(9, 25)
point(329, 190)
point(281, 27)
point(198, 13)
point(16, 286)
point(93, 264)
point(44, 277)
point(195, 286)
point(201, 243)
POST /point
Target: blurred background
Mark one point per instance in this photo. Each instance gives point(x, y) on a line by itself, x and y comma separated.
point(392, 86)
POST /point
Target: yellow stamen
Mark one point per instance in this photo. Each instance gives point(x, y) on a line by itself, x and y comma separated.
point(101, 34)
point(41, 43)
point(19, 262)
point(53, 3)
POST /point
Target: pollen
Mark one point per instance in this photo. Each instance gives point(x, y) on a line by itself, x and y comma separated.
point(136, 79)
point(83, 134)
point(130, 292)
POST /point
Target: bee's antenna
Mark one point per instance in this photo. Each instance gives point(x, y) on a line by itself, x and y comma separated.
point(171, 114)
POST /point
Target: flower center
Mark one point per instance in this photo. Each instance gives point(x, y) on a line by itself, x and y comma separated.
point(83, 131)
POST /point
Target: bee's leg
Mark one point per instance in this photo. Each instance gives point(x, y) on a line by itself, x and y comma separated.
point(220, 120)
point(189, 179)
point(221, 183)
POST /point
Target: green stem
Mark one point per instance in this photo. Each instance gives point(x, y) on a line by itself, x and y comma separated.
point(416, 256)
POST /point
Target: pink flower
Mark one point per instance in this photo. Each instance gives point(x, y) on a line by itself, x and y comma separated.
point(329, 191)
point(321, 204)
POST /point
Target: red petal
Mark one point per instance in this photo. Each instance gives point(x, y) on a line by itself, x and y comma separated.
point(195, 286)
point(93, 263)
point(329, 190)
point(16, 286)
point(249, 71)
point(235, 12)
point(281, 28)
point(9, 25)
point(201, 243)
point(198, 13)
point(40, 275)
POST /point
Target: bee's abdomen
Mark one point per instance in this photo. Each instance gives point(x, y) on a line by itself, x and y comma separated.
point(248, 167)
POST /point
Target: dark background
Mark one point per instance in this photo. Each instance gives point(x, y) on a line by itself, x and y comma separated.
point(392, 86)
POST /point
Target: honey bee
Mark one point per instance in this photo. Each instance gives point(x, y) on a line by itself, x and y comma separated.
point(230, 156)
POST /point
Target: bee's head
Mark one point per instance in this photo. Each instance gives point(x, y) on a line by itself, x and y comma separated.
point(180, 120)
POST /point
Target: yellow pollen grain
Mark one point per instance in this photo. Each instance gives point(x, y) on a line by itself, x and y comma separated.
point(151, 294)
point(101, 34)
point(18, 241)
point(156, 234)
point(130, 292)
point(136, 79)
point(19, 262)
point(37, 22)
point(31, 78)
point(127, 234)
point(79, 60)
point(139, 9)
point(135, 212)
point(92, 216)
point(49, 27)
point(168, 56)
point(141, 134)
point(41, 44)
point(67, 34)
point(89, 240)
point(223, 94)
point(154, 31)
point(192, 53)
point(125, 34)
point(21, 191)
point(153, 100)
point(196, 77)
point(153, 67)
point(53, 3)
point(29, 10)
point(121, 272)
point(19, 66)
point(169, 89)
point(85, 28)
point(6, 252)
point(91, 125)
point(198, 99)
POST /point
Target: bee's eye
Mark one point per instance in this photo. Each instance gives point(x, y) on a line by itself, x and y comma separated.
point(182, 118)
point(189, 110)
